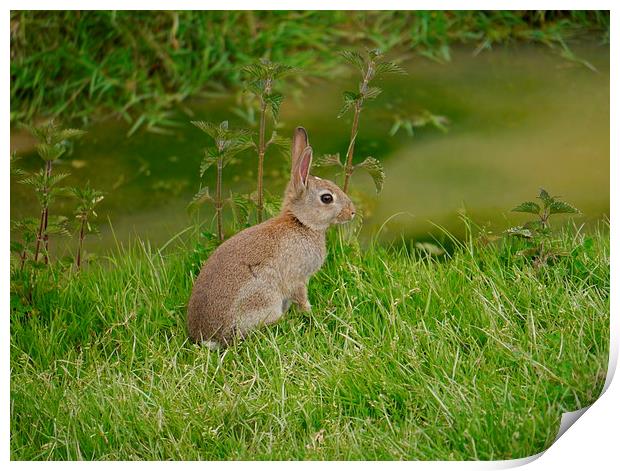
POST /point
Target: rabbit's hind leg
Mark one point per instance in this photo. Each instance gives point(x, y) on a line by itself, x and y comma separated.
point(258, 308)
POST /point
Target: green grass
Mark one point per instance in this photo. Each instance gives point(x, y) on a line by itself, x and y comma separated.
point(473, 356)
point(143, 65)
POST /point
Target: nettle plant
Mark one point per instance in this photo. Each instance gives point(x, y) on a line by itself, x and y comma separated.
point(227, 143)
point(371, 66)
point(261, 78)
point(87, 198)
point(540, 245)
point(52, 143)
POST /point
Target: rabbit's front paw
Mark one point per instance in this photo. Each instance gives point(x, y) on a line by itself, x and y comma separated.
point(305, 307)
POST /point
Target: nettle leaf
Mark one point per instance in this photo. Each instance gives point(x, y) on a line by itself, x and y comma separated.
point(255, 71)
point(354, 58)
point(210, 158)
point(15, 170)
point(350, 99)
point(210, 128)
point(399, 123)
point(282, 143)
point(534, 226)
point(240, 206)
point(69, 134)
point(560, 207)
point(375, 170)
point(50, 151)
point(58, 225)
point(527, 207)
point(519, 231)
point(274, 101)
point(329, 160)
point(545, 197)
point(389, 68)
point(372, 93)
point(235, 147)
point(199, 199)
point(53, 180)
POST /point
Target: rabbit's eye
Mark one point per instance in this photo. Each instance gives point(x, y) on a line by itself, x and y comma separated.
point(327, 198)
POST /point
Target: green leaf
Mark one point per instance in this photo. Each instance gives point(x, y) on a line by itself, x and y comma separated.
point(210, 128)
point(519, 231)
point(350, 98)
point(15, 170)
point(328, 160)
point(282, 143)
point(49, 152)
point(209, 159)
point(356, 59)
point(274, 101)
point(16, 246)
point(560, 207)
point(199, 199)
point(375, 170)
point(527, 207)
point(389, 68)
point(372, 93)
point(57, 225)
point(545, 197)
point(240, 206)
point(66, 134)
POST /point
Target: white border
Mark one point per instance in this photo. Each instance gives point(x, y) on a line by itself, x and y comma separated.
point(592, 442)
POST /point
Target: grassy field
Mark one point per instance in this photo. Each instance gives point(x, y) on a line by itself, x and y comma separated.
point(470, 356)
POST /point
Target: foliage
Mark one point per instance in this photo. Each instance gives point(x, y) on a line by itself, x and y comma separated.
point(540, 244)
point(52, 142)
point(425, 118)
point(260, 81)
point(227, 143)
point(87, 198)
point(371, 66)
point(142, 65)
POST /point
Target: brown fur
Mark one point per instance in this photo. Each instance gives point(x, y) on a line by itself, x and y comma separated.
point(252, 278)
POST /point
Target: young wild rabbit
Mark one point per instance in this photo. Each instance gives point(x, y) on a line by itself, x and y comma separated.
point(252, 278)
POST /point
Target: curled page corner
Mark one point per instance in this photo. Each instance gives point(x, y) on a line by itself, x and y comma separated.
point(569, 418)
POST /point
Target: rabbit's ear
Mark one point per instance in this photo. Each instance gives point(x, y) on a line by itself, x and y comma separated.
point(301, 170)
point(300, 142)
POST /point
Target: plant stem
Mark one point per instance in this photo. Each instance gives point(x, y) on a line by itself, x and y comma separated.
point(348, 169)
point(39, 234)
point(78, 258)
point(22, 258)
point(48, 173)
point(218, 199)
point(261, 158)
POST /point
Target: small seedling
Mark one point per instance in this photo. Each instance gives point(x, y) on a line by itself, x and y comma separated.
point(260, 82)
point(371, 66)
point(227, 144)
point(537, 232)
point(87, 198)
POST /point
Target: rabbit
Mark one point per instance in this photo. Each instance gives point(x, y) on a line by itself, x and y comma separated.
point(253, 277)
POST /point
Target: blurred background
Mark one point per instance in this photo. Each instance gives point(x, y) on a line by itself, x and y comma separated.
point(494, 106)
